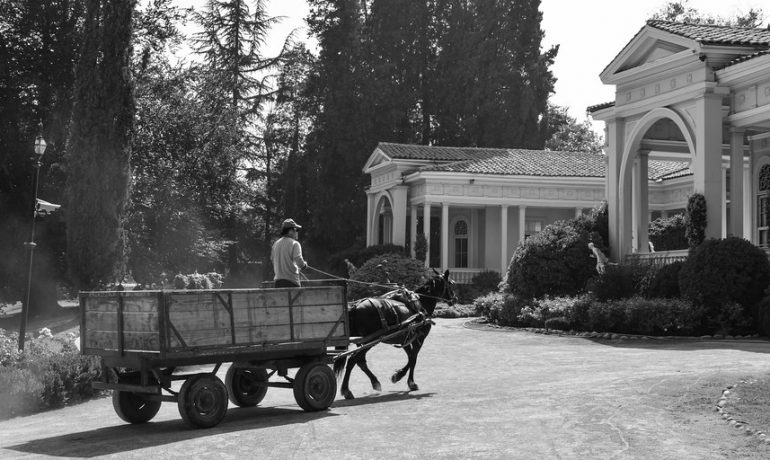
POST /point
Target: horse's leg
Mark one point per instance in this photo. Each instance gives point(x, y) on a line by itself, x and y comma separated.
point(365, 367)
point(413, 363)
point(344, 390)
point(400, 373)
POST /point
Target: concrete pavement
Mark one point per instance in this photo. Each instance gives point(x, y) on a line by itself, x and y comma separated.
point(484, 393)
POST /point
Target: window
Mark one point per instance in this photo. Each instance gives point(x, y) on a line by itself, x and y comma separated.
point(461, 244)
point(763, 207)
point(531, 227)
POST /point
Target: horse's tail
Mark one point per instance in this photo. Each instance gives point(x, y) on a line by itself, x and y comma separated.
point(339, 366)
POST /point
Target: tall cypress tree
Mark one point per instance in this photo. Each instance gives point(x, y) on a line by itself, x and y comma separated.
point(99, 144)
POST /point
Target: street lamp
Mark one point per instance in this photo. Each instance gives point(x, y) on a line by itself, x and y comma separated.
point(40, 146)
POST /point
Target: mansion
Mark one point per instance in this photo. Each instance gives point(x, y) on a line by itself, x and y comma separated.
point(691, 114)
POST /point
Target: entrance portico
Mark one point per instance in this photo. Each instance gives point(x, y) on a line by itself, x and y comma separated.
point(695, 93)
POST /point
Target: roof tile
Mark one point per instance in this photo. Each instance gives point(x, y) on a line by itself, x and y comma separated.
point(715, 34)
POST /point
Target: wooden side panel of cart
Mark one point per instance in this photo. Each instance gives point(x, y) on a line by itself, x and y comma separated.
point(178, 323)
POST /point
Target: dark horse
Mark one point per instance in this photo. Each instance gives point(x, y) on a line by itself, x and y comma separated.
point(380, 316)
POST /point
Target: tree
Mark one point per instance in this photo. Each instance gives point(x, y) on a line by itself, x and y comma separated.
point(681, 11)
point(568, 135)
point(99, 144)
point(230, 44)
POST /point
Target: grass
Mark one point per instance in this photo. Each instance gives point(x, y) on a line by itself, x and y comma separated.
point(748, 403)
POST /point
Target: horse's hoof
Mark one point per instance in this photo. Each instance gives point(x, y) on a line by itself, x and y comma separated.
point(395, 378)
point(413, 386)
point(377, 386)
point(348, 394)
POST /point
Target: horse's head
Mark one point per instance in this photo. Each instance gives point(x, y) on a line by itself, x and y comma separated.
point(442, 287)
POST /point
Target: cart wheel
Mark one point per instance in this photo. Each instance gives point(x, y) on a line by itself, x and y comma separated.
point(243, 386)
point(315, 386)
point(134, 407)
point(203, 401)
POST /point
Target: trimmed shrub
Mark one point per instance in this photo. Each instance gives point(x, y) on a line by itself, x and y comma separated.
point(668, 233)
point(695, 220)
point(382, 273)
point(617, 282)
point(498, 308)
point(555, 261)
point(337, 264)
point(483, 283)
point(662, 282)
point(559, 323)
point(724, 271)
point(211, 280)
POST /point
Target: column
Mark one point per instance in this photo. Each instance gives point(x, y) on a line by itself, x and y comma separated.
point(503, 238)
point(643, 218)
point(614, 139)
point(444, 236)
point(370, 240)
point(426, 231)
point(413, 229)
point(748, 199)
point(399, 197)
point(736, 182)
point(725, 226)
point(707, 160)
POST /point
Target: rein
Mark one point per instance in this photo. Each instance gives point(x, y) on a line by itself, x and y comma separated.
point(444, 293)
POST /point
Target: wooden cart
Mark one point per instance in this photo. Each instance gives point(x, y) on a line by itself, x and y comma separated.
point(145, 337)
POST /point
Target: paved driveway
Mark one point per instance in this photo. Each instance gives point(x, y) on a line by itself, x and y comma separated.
point(483, 394)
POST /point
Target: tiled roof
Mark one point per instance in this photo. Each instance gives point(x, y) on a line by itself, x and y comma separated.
point(520, 162)
point(715, 34)
point(597, 107)
point(747, 57)
point(427, 152)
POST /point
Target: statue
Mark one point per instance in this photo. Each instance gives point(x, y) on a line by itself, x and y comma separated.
point(601, 259)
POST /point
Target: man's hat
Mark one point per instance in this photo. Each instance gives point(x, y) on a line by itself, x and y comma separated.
point(289, 223)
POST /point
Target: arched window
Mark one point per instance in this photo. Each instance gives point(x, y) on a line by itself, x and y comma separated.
point(461, 244)
point(763, 207)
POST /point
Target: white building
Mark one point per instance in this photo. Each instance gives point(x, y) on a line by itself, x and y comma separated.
point(692, 104)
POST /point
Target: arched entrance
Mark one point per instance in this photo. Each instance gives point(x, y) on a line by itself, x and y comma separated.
point(661, 134)
point(382, 227)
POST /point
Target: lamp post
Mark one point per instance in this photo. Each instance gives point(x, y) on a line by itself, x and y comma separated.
point(39, 151)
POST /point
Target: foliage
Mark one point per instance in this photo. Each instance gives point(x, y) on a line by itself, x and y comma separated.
point(555, 261)
point(681, 11)
point(481, 284)
point(498, 307)
point(99, 147)
point(49, 373)
point(618, 281)
point(383, 273)
point(662, 281)
point(196, 280)
point(457, 310)
point(724, 271)
point(668, 233)
point(569, 135)
point(420, 247)
point(695, 220)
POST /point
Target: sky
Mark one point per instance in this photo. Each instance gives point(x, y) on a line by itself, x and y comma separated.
point(590, 33)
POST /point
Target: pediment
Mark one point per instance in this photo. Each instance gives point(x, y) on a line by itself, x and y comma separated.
point(650, 48)
point(376, 160)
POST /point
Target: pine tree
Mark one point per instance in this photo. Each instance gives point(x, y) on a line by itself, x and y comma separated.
point(99, 145)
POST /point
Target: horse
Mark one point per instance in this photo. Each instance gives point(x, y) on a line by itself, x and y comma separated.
point(379, 316)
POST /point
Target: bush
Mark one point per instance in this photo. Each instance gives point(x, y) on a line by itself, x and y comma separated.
point(559, 323)
point(662, 281)
point(211, 280)
point(695, 220)
point(358, 256)
point(49, 373)
point(724, 271)
point(555, 261)
point(498, 308)
point(373, 277)
point(668, 233)
point(617, 282)
point(483, 283)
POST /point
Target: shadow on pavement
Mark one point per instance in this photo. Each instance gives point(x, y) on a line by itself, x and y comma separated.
point(381, 398)
point(126, 438)
point(688, 344)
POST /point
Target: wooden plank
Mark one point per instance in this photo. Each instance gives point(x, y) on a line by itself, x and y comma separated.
point(257, 334)
point(317, 314)
point(316, 331)
point(108, 340)
point(132, 321)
